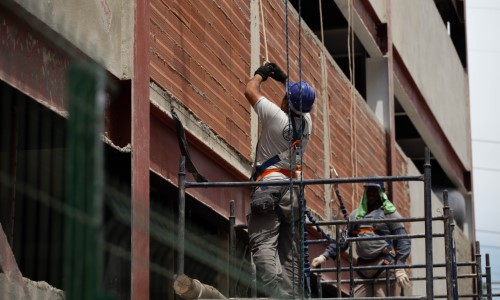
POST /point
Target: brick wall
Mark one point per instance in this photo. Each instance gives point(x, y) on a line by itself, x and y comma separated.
point(200, 52)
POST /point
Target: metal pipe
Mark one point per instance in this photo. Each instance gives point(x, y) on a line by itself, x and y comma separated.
point(297, 182)
point(454, 259)
point(181, 223)
point(419, 266)
point(479, 272)
point(351, 274)
point(232, 249)
point(447, 248)
point(488, 277)
point(13, 169)
point(402, 220)
point(318, 286)
point(376, 238)
point(337, 261)
point(392, 279)
point(428, 226)
point(385, 298)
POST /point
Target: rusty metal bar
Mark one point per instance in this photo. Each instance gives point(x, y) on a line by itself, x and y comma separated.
point(429, 272)
point(232, 249)
point(181, 220)
point(140, 135)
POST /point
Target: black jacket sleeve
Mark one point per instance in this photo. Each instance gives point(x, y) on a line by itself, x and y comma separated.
point(331, 250)
point(403, 246)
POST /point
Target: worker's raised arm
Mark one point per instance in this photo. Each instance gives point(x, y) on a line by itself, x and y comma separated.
point(252, 90)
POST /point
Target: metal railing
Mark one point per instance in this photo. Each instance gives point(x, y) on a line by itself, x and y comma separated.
point(450, 263)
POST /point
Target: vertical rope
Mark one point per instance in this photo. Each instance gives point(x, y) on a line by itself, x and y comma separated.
point(264, 30)
point(354, 150)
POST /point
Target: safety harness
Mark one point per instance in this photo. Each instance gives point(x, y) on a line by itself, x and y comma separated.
point(262, 170)
point(388, 253)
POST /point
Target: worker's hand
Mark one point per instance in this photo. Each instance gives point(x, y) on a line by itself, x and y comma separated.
point(318, 261)
point(401, 278)
point(278, 74)
point(265, 70)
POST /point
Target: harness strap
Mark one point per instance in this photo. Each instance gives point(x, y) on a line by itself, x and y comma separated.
point(365, 230)
point(285, 172)
point(389, 252)
point(296, 142)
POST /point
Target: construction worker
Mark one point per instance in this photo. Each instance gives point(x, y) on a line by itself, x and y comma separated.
point(374, 205)
point(275, 209)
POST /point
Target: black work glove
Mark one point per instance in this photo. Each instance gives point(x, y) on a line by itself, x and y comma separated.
point(265, 70)
point(277, 73)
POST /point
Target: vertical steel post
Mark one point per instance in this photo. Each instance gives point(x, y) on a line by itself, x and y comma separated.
point(140, 161)
point(232, 249)
point(428, 227)
point(454, 258)
point(488, 277)
point(447, 245)
point(181, 221)
point(351, 274)
point(479, 272)
point(14, 137)
point(337, 261)
point(387, 281)
point(319, 286)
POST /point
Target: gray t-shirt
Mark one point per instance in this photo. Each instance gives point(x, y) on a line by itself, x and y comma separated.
point(276, 135)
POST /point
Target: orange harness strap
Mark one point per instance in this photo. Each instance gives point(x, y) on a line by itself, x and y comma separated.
point(365, 230)
point(285, 172)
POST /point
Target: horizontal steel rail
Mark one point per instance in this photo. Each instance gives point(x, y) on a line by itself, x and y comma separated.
point(304, 182)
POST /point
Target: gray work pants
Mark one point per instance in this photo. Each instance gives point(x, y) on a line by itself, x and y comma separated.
point(275, 252)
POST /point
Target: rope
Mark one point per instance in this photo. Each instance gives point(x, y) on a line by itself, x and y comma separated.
point(264, 30)
point(354, 150)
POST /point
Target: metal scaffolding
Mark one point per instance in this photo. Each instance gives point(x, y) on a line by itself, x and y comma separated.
point(450, 263)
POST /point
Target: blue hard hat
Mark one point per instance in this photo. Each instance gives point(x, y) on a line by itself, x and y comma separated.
point(374, 183)
point(300, 103)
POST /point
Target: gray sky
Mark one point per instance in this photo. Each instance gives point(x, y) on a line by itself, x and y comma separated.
point(483, 37)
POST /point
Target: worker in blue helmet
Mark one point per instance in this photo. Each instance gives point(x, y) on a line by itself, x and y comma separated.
point(375, 205)
point(274, 210)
